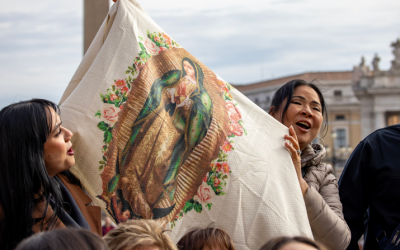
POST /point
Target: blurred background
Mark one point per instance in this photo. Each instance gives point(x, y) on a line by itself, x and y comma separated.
point(350, 48)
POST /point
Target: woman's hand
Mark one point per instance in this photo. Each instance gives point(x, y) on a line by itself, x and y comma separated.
point(294, 148)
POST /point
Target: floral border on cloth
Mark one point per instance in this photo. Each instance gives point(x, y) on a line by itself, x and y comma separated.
point(215, 180)
point(117, 95)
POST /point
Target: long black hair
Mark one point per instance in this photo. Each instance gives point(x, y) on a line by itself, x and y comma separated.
point(287, 90)
point(24, 181)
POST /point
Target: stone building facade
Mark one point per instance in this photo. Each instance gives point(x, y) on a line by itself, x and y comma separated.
point(378, 92)
point(358, 102)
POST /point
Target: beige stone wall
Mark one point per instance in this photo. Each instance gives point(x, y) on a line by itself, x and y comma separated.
point(352, 124)
point(95, 11)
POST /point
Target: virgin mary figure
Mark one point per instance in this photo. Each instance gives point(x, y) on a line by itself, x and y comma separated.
point(173, 121)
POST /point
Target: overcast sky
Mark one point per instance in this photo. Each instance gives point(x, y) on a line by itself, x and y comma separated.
point(242, 41)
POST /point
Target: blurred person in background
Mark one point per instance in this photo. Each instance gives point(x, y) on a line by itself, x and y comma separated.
point(139, 235)
point(64, 239)
point(370, 190)
point(291, 243)
point(37, 191)
point(300, 106)
point(108, 226)
point(209, 238)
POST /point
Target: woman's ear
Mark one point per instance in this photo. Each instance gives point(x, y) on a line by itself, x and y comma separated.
point(271, 110)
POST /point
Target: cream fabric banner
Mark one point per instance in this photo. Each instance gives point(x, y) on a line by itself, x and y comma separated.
point(158, 135)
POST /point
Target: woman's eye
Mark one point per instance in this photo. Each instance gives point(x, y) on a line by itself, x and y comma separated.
point(317, 109)
point(59, 132)
point(298, 103)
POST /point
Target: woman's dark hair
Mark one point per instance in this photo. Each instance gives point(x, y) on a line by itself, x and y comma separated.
point(24, 181)
point(287, 90)
point(211, 236)
point(279, 242)
point(64, 239)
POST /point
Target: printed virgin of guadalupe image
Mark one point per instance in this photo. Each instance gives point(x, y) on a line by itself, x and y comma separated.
point(174, 120)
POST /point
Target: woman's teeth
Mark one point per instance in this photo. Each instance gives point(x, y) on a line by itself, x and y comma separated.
point(303, 125)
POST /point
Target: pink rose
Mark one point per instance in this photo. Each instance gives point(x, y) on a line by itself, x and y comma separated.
point(110, 112)
point(233, 112)
point(113, 97)
point(120, 83)
point(205, 178)
point(236, 129)
point(205, 193)
point(151, 47)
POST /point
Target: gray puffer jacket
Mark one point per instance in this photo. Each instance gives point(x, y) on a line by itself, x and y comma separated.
point(324, 208)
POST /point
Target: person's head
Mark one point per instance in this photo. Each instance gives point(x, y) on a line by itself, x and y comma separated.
point(33, 148)
point(107, 222)
point(63, 239)
point(300, 104)
point(209, 238)
point(139, 235)
point(291, 243)
point(189, 68)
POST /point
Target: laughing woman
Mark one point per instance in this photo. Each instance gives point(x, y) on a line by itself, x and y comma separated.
point(37, 192)
point(300, 106)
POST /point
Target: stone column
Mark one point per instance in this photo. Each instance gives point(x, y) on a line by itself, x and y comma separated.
point(379, 119)
point(94, 12)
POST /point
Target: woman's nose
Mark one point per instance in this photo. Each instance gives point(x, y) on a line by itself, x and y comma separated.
point(307, 112)
point(68, 135)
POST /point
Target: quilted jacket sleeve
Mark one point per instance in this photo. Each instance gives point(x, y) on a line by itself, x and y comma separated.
point(324, 210)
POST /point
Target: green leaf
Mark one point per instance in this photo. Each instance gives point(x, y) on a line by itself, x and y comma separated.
point(129, 67)
point(107, 136)
point(198, 207)
point(209, 206)
point(113, 87)
point(188, 207)
point(102, 126)
point(127, 71)
point(102, 162)
point(112, 184)
point(142, 47)
point(221, 193)
point(104, 158)
point(98, 114)
point(101, 168)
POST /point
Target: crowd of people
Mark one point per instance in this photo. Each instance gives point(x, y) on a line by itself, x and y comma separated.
point(44, 206)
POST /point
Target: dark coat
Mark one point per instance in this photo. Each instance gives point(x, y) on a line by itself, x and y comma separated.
point(371, 180)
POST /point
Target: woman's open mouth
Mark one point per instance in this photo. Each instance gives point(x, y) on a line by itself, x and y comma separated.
point(304, 126)
point(70, 151)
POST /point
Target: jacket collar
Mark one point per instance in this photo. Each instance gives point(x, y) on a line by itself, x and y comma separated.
point(312, 155)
